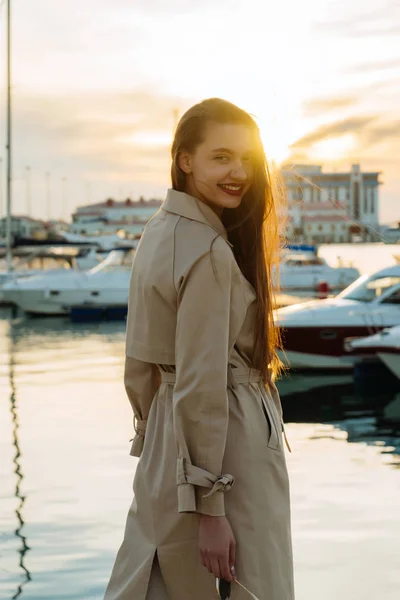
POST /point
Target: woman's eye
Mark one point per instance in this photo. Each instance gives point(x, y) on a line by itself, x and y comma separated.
point(222, 157)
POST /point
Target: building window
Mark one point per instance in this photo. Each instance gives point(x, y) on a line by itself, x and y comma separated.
point(366, 194)
point(356, 199)
point(298, 195)
point(333, 194)
point(315, 194)
point(319, 227)
point(333, 227)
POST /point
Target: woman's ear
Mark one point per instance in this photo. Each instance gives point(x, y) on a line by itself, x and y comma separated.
point(185, 162)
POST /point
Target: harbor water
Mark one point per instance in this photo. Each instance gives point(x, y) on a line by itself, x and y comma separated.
point(66, 475)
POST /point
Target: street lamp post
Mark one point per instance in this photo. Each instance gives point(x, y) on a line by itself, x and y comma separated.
point(1, 188)
point(28, 191)
point(8, 144)
point(48, 205)
point(88, 185)
point(64, 195)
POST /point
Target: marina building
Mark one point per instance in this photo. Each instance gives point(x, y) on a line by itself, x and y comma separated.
point(324, 207)
point(112, 216)
point(331, 207)
point(24, 227)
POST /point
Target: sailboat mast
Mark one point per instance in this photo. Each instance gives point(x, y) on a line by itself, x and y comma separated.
point(8, 146)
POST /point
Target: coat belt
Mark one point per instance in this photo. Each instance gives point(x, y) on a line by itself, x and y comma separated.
point(235, 375)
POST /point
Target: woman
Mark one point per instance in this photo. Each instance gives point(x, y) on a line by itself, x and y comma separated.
point(211, 487)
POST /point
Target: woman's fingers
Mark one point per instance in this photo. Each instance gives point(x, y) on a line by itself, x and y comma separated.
point(225, 570)
point(205, 561)
point(216, 568)
point(219, 567)
point(232, 558)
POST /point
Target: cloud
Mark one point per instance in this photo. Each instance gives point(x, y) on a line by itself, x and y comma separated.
point(376, 31)
point(383, 133)
point(384, 20)
point(172, 7)
point(89, 140)
point(93, 130)
point(376, 148)
point(332, 130)
point(321, 105)
point(97, 141)
point(369, 67)
point(368, 131)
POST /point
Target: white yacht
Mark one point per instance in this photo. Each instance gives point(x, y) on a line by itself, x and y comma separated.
point(314, 332)
point(383, 346)
point(54, 294)
point(49, 261)
point(105, 286)
point(300, 272)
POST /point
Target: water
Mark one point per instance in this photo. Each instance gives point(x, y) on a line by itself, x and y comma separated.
point(66, 475)
point(367, 258)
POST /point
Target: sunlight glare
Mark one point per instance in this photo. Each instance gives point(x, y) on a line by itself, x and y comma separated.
point(275, 138)
point(148, 138)
point(333, 148)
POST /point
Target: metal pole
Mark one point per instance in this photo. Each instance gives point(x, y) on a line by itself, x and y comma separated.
point(8, 146)
point(89, 192)
point(64, 196)
point(28, 191)
point(48, 194)
point(1, 190)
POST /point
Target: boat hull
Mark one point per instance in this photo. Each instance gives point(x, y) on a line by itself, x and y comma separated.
point(392, 361)
point(35, 302)
point(312, 362)
point(320, 347)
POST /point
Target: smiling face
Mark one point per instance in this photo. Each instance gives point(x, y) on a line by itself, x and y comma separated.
point(221, 169)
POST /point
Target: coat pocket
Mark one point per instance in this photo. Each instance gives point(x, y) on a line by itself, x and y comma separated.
point(274, 431)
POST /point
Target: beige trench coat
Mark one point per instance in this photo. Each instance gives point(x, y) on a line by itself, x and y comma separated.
point(208, 432)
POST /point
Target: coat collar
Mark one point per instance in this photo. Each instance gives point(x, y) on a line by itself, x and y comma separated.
point(190, 207)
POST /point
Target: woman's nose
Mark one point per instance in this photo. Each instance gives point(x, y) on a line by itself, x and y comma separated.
point(238, 172)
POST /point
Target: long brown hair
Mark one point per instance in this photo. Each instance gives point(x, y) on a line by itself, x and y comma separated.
point(253, 228)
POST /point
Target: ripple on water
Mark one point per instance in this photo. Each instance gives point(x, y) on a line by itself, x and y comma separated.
point(66, 474)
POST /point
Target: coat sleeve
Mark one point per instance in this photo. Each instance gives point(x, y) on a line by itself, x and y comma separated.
point(142, 380)
point(200, 397)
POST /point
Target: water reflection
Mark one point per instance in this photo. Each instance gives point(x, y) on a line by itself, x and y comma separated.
point(24, 548)
point(368, 412)
point(63, 384)
point(64, 389)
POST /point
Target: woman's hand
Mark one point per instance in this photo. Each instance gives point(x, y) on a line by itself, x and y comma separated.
point(217, 546)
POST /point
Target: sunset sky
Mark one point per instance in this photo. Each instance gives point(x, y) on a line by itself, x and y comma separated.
point(98, 85)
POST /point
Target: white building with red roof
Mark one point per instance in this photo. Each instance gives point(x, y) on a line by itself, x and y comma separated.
point(112, 216)
point(324, 207)
point(331, 207)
